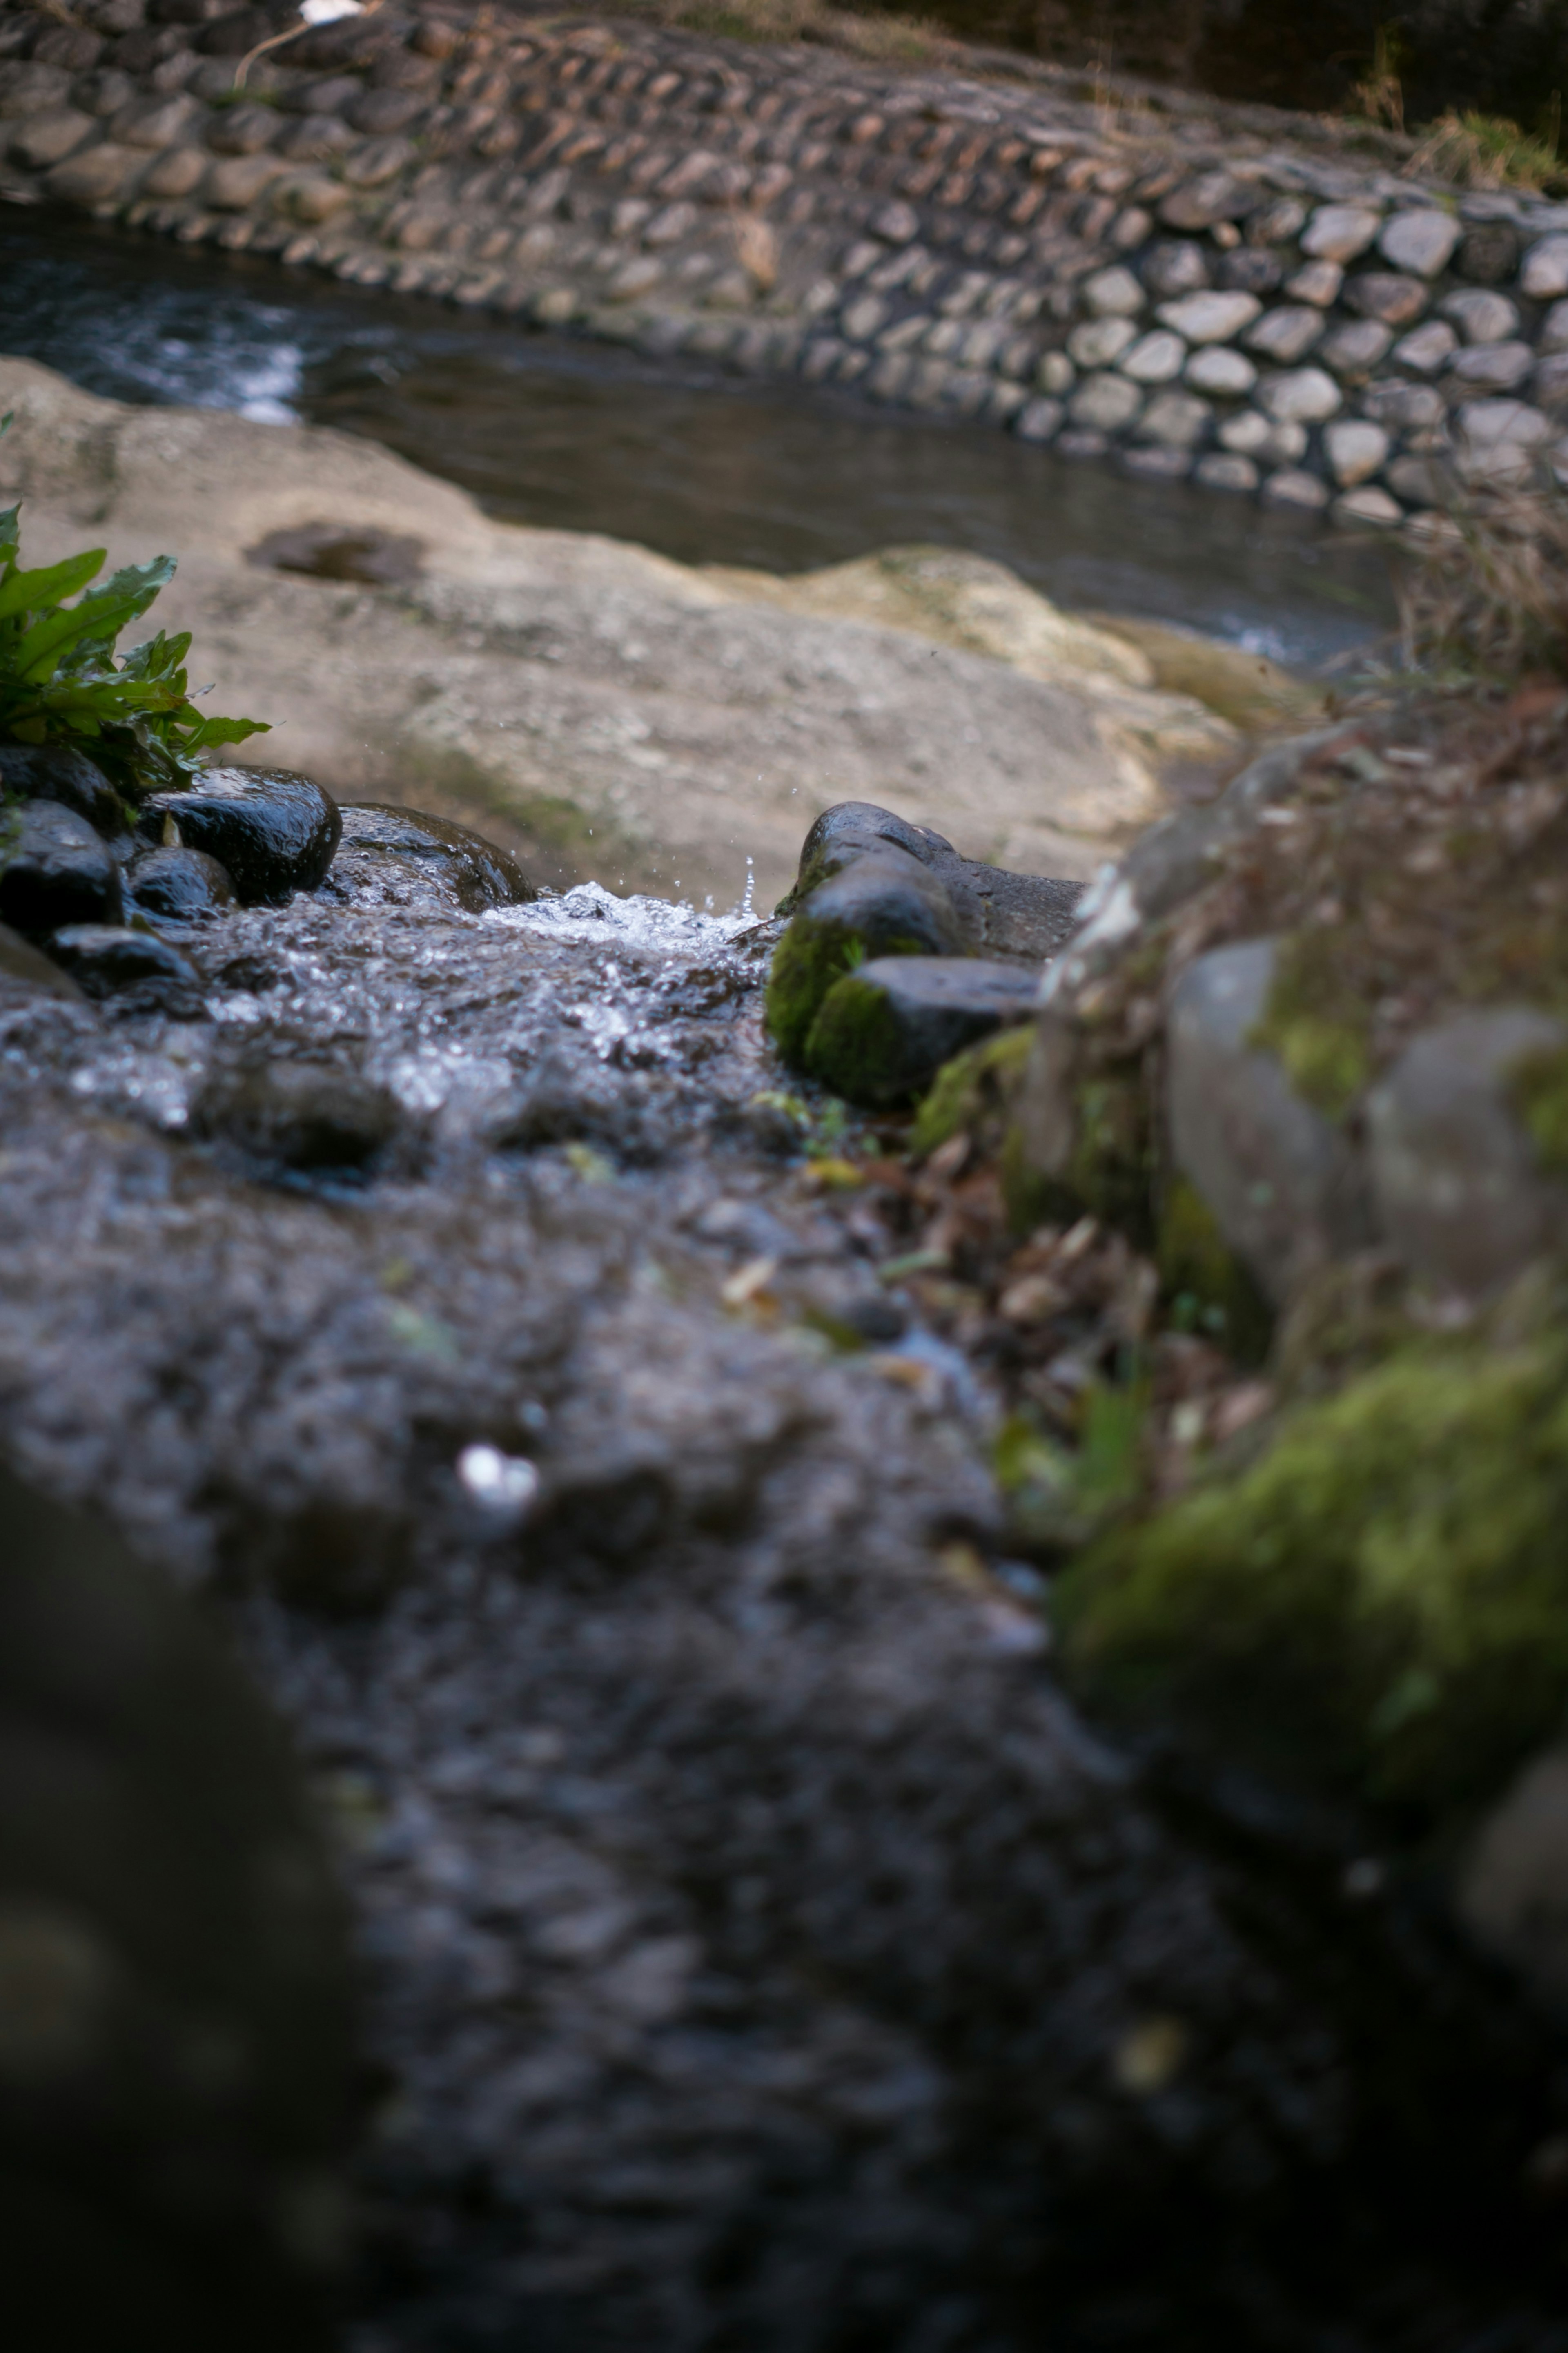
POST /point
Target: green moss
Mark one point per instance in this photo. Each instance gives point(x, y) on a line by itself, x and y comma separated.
point(1380, 1601)
point(807, 961)
point(1538, 1088)
point(974, 1092)
point(1206, 1285)
point(856, 1046)
point(1111, 1162)
point(1318, 1023)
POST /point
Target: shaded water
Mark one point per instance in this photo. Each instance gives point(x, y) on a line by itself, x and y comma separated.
point(677, 456)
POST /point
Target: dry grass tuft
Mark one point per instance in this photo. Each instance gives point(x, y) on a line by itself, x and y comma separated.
point(1488, 597)
point(1483, 150)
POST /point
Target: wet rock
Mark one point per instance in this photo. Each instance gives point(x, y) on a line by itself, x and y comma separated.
point(1460, 1190)
point(105, 961)
point(1282, 1185)
point(1003, 913)
point(885, 1029)
point(57, 772)
point(304, 1116)
point(23, 968)
point(175, 2062)
point(413, 858)
point(56, 869)
point(273, 832)
point(884, 902)
point(178, 886)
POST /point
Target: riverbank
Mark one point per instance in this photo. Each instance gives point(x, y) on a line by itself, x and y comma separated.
point(1223, 297)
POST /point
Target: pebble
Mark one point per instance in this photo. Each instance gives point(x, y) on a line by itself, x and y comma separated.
point(1105, 404)
point(1431, 347)
point(1356, 348)
point(1101, 341)
point(1382, 294)
point(1486, 318)
point(1286, 334)
point(1216, 369)
point(1544, 276)
point(180, 886)
point(1155, 358)
point(1492, 367)
point(1210, 317)
point(1114, 293)
point(1356, 450)
point(1224, 470)
point(1176, 420)
point(1292, 488)
point(1316, 281)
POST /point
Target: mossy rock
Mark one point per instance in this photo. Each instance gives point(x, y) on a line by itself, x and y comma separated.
point(856, 1046)
point(1379, 1604)
point(1205, 1284)
point(883, 904)
point(1540, 1092)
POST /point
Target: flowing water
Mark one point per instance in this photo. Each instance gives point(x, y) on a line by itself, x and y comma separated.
point(703, 465)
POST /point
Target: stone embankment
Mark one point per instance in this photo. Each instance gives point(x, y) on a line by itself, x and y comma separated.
point(1227, 303)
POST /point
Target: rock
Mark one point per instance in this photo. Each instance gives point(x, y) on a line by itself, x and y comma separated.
point(1105, 404)
point(885, 1029)
point(1340, 232)
point(1492, 367)
point(1210, 318)
point(1501, 440)
point(1353, 350)
point(1213, 196)
point(1513, 1883)
point(1038, 420)
point(1282, 1185)
point(1113, 294)
point(393, 849)
point(51, 138)
point(1292, 487)
point(1175, 420)
point(23, 968)
point(1301, 396)
point(178, 886)
point(273, 832)
point(1354, 450)
point(106, 961)
point(1404, 407)
point(96, 176)
point(1222, 471)
point(303, 1116)
point(1458, 1188)
point(1026, 915)
point(1553, 335)
point(57, 869)
point(883, 903)
point(1368, 505)
point(1101, 341)
point(174, 2001)
point(1544, 275)
point(1489, 253)
point(1483, 318)
point(1422, 481)
point(1550, 382)
point(1249, 271)
point(1431, 347)
point(1421, 241)
point(57, 772)
point(1224, 374)
point(1287, 333)
point(1154, 359)
point(1318, 283)
point(1382, 294)
point(1174, 268)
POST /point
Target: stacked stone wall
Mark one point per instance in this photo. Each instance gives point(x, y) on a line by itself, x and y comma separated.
point(1190, 298)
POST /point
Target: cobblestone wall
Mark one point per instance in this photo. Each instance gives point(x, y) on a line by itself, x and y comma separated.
point(1188, 297)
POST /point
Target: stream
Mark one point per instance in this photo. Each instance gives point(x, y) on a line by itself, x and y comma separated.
point(697, 463)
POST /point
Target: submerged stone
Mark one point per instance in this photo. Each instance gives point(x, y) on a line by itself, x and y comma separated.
point(886, 1028)
point(54, 870)
point(273, 832)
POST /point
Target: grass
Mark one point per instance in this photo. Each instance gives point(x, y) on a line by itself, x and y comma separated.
point(1486, 150)
point(1487, 598)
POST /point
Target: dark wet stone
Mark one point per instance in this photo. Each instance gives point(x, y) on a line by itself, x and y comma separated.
point(104, 960)
point(883, 903)
point(24, 966)
point(55, 870)
point(180, 886)
point(173, 1994)
point(404, 855)
point(885, 1030)
point(1026, 916)
point(335, 551)
point(302, 1115)
point(274, 832)
point(55, 772)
